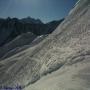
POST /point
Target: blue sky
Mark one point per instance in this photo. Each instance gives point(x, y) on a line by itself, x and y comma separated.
point(46, 10)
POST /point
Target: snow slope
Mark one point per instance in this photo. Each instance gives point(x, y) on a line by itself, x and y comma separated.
point(66, 50)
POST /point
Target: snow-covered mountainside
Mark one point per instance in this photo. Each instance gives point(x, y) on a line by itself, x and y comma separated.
point(59, 62)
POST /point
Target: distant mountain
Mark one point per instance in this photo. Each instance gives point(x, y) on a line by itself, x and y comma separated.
point(10, 28)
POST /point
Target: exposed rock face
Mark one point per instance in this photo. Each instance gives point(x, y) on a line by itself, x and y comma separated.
point(66, 49)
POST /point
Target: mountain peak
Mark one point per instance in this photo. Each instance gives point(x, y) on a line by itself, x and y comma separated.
point(31, 20)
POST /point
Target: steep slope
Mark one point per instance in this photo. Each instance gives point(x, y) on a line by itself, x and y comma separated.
point(66, 49)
